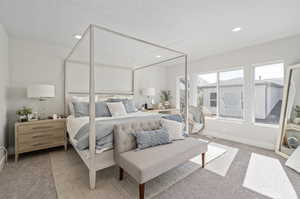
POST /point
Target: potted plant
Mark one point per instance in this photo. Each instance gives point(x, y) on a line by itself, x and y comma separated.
point(165, 97)
point(24, 113)
point(297, 114)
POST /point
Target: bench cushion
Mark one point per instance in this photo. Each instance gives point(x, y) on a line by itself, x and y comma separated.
point(149, 163)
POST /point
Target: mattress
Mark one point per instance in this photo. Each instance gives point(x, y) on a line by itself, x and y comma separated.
point(74, 124)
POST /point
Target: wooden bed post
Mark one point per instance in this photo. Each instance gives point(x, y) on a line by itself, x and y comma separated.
point(92, 134)
point(142, 190)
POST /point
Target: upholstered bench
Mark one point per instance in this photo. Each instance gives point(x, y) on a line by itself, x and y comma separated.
point(144, 165)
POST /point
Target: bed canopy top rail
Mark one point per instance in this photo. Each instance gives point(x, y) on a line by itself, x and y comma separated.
point(90, 61)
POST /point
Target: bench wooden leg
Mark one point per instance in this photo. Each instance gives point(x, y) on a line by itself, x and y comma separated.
point(121, 174)
point(203, 160)
point(142, 190)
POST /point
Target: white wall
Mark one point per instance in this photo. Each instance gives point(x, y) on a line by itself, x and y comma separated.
point(287, 49)
point(108, 78)
point(4, 78)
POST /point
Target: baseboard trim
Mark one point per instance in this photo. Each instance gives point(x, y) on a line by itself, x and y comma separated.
point(264, 145)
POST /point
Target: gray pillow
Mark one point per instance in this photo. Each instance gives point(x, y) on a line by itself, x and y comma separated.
point(128, 103)
point(130, 106)
point(81, 109)
point(174, 117)
point(146, 139)
point(102, 110)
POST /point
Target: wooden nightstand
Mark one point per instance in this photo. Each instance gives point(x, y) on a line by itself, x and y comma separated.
point(40, 134)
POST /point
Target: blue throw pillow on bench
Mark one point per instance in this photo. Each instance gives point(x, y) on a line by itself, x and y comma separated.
point(146, 139)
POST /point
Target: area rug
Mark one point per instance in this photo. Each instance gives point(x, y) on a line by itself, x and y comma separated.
point(265, 175)
point(72, 181)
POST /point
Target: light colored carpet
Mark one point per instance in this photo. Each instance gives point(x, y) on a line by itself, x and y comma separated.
point(31, 177)
point(71, 177)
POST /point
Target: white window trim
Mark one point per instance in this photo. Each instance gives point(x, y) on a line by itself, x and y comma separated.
point(178, 90)
point(218, 91)
point(253, 66)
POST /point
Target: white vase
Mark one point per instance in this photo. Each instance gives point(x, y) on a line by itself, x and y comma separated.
point(166, 104)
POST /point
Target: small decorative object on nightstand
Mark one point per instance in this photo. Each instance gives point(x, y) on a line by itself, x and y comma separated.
point(165, 97)
point(40, 134)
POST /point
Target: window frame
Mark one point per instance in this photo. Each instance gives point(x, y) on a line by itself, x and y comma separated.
point(177, 100)
point(214, 99)
point(218, 93)
point(252, 82)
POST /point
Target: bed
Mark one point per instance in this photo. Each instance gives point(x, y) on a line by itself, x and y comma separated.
point(107, 66)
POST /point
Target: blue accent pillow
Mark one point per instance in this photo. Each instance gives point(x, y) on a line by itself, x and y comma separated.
point(128, 103)
point(102, 110)
point(81, 109)
point(174, 117)
point(146, 139)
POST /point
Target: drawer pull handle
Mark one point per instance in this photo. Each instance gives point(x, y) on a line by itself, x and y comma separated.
point(41, 136)
point(39, 144)
point(42, 127)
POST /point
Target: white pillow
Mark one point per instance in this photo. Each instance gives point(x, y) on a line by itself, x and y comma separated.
point(117, 109)
point(174, 128)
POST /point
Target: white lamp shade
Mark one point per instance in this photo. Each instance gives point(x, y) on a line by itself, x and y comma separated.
point(148, 91)
point(41, 91)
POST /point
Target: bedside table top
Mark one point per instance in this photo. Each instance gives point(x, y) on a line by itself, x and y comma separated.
point(40, 121)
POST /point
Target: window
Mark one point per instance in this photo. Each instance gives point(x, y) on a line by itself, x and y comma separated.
point(181, 90)
point(207, 93)
point(231, 86)
point(213, 99)
point(268, 85)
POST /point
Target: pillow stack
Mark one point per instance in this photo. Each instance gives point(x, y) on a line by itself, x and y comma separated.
point(79, 107)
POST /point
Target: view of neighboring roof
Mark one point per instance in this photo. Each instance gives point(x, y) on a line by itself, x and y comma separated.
point(276, 82)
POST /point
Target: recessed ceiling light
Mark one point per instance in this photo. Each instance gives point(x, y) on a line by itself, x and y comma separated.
point(237, 29)
point(158, 56)
point(77, 36)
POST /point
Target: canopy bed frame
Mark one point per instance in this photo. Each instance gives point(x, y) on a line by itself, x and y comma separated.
point(94, 161)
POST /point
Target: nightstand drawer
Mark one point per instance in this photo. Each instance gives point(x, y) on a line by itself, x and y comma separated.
point(37, 145)
point(41, 136)
point(32, 128)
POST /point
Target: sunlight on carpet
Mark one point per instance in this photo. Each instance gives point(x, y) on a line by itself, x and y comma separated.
point(266, 176)
point(221, 155)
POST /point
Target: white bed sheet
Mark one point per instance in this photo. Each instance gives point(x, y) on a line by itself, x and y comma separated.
point(74, 124)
